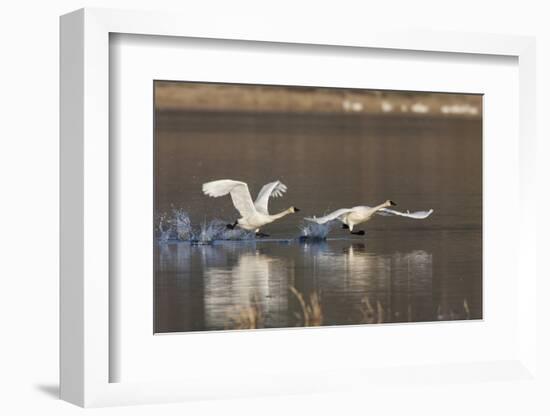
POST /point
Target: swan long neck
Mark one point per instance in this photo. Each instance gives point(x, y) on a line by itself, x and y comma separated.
point(382, 205)
point(282, 214)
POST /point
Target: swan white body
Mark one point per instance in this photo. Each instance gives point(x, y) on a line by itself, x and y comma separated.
point(254, 214)
point(360, 214)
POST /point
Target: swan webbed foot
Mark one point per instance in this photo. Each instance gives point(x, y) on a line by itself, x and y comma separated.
point(261, 235)
point(345, 227)
point(360, 232)
point(232, 226)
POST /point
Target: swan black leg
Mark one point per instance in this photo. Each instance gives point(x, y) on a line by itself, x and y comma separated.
point(360, 232)
point(260, 234)
point(232, 226)
point(345, 226)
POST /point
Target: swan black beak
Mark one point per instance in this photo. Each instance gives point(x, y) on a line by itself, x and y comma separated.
point(296, 209)
point(393, 204)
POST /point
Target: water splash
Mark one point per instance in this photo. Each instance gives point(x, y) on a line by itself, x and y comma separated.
point(312, 231)
point(176, 226)
point(207, 233)
point(216, 230)
point(237, 234)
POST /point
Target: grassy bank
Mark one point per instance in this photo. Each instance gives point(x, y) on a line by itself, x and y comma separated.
point(182, 96)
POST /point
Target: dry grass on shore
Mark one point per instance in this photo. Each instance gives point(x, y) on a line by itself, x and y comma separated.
point(251, 315)
point(184, 96)
point(370, 315)
point(312, 313)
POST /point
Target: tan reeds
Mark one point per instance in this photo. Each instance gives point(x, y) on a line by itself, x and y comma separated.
point(311, 311)
point(467, 309)
point(450, 314)
point(369, 315)
point(246, 317)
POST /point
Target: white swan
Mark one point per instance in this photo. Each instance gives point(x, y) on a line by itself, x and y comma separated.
point(254, 215)
point(350, 217)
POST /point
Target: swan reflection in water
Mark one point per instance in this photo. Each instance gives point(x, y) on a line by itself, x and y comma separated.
point(255, 280)
point(400, 283)
point(206, 287)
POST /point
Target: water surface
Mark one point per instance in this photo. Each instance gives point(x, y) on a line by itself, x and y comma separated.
point(403, 270)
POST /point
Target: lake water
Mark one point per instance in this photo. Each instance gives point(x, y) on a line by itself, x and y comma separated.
point(402, 270)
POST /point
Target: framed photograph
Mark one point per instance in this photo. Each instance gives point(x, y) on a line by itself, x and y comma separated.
point(323, 202)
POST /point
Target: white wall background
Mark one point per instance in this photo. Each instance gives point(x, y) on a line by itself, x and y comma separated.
point(29, 205)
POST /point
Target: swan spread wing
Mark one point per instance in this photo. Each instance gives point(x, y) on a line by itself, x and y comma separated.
point(240, 195)
point(418, 215)
point(272, 189)
point(332, 216)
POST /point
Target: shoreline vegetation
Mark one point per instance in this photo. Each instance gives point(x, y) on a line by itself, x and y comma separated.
point(169, 96)
point(252, 314)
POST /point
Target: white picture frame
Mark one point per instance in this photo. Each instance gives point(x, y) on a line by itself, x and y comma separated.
point(85, 211)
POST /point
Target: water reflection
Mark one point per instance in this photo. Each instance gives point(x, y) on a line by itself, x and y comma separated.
point(397, 281)
point(402, 271)
point(255, 278)
point(218, 286)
